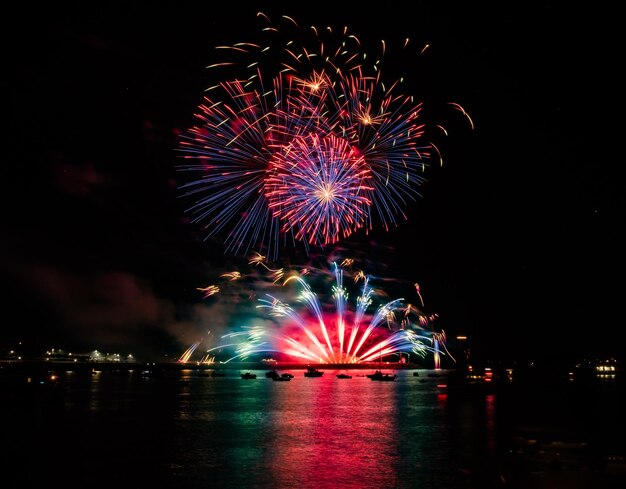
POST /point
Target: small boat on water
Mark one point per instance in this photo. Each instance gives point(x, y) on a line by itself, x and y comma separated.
point(378, 375)
point(344, 376)
point(248, 375)
point(283, 378)
point(313, 372)
point(272, 374)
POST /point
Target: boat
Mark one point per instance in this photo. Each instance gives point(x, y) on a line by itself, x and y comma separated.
point(248, 375)
point(344, 376)
point(272, 374)
point(282, 378)
point(378, 375)
point(313, 372)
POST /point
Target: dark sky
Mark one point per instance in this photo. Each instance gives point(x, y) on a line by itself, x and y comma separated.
point(517, 240)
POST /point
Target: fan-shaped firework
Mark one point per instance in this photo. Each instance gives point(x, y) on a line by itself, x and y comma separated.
point(305, 142)
point(347, 336)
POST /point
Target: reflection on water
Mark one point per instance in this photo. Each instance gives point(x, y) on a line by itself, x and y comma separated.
point(188, 431)
point(334, 430)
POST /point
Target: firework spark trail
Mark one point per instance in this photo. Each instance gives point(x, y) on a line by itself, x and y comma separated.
point(458, 107)
point(232, 144)
point(209, 290)
point(417, 289)
point(340, 295)
point(319, 187)
point(393, 344)
point(303, 142)
point(259, 259)
point(379, 318)
point(184, 358)
point(436, 357)
point(348, 337)
point(310, 299)
point(389, 141)
point(262, 337)
point(363, 302)
point(439, 341)
point(231, 275)
point(280, 309)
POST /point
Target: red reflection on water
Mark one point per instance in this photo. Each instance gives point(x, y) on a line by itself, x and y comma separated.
point(490, 422)
point(336, 431)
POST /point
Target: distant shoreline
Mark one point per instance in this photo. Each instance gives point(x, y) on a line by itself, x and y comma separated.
point(108, 366)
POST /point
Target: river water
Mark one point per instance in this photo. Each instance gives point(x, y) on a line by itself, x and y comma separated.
point(190, 431)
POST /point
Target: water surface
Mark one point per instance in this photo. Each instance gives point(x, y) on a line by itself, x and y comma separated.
point(189, 431)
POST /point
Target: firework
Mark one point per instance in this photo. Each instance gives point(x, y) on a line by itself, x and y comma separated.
point(304, 141)
point(439, 343)
point(185, 357)
point(306, 330)
point(209, 290)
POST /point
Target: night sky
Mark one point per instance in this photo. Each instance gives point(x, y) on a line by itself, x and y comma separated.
point(516, 241)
